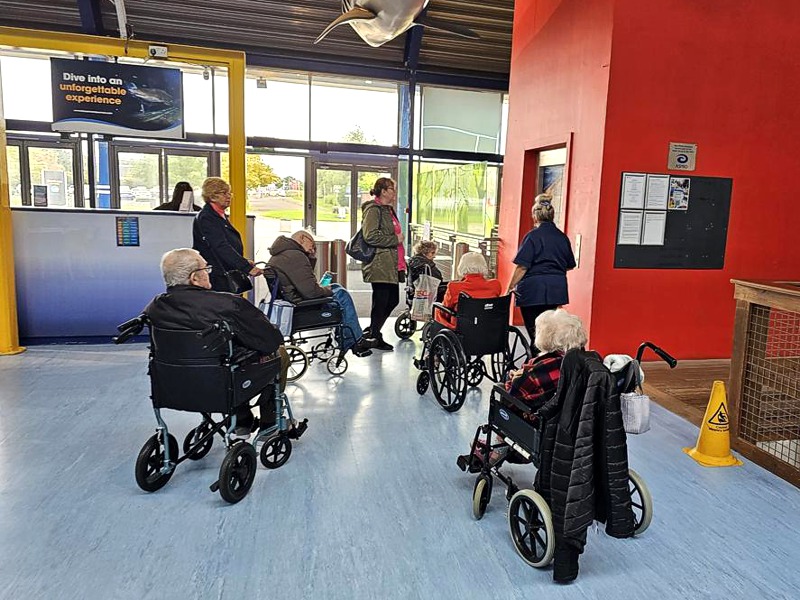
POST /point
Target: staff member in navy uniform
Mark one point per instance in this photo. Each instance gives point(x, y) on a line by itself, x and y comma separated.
point(542, 262)
point(216, 239)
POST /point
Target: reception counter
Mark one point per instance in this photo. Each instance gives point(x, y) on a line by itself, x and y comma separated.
point(81, 272)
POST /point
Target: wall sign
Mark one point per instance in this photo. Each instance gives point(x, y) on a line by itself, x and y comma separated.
point(127, 231)
point(119, 99)
point(682, 157)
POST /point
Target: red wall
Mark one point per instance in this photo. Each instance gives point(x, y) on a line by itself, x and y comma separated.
point(559, 83)
point(723, 75)
point(726, 77)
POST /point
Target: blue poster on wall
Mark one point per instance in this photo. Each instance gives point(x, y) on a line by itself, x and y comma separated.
point(117, 99)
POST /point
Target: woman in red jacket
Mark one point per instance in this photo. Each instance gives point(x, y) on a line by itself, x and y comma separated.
point(473, 271)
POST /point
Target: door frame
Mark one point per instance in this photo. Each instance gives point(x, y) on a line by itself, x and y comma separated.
point(25, 144)
point(354, 164)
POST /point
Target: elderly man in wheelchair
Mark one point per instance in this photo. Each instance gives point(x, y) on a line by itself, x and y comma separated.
point(471, 322)
point(212, 352)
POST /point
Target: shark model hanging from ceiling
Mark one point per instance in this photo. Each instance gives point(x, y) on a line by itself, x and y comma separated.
point(380, 21)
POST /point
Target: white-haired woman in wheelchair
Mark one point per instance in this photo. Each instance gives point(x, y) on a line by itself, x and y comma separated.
point(474, 281)
point(557, 332)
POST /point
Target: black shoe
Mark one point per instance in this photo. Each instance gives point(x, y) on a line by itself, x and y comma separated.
point(381, 345)
point(362, 347)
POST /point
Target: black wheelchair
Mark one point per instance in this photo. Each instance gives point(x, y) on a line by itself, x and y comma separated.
point(200, 371)
point(316, 324)
point(530, 520)
point(452, 359)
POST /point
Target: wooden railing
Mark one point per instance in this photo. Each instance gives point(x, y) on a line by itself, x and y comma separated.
point(765, 376)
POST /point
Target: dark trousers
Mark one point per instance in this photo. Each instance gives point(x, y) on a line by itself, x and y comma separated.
point(529, 314)
point(385, 296)
point(266, 401)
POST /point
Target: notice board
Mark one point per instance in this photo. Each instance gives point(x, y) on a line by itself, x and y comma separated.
point(681, 221)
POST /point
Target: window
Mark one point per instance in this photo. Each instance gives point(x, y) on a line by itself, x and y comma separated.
point(27, 91)
point(461, 120)
point(353, 110)
point(459, 198)
point(139, 180)
point(276, 105)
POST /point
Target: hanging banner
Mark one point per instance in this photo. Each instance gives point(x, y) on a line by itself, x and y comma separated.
point(117, 99)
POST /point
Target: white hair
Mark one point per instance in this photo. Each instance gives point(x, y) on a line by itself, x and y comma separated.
point(472, 262)
point(559, 330)
point(177, 265)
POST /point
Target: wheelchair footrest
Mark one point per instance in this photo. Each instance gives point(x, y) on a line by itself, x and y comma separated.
point(298, 430)
point(469, 463)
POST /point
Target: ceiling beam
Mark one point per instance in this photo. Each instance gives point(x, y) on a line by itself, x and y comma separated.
point(91, 17)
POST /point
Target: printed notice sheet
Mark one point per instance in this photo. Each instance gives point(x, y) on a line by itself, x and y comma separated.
point(633, 189)
point(655, 223)
point(679, 193)
point(630, 227)
point(657, 192)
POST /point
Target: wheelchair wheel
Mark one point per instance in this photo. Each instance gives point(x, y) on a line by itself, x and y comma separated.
point(237, 472)
point(423, 381)
point(641, 502)
point(447, 367)
point(192, 438)
point(475, 371)
point(517, 353)
point(324, 350)
point(336, 365)
point(531, 525)
point(481, 494)
point(276, 451)
point(150, 461)
point(405, 326)
point(298, 363)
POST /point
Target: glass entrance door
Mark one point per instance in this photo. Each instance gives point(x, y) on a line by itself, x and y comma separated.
point(340, 192)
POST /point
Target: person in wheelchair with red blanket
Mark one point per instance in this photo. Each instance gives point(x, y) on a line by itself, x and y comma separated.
point(190, 303)
point(557, 331)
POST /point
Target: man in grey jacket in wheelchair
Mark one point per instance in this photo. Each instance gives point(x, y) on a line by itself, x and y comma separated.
point(190, 303)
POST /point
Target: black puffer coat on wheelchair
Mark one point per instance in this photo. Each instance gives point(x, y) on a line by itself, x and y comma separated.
point(583, 470)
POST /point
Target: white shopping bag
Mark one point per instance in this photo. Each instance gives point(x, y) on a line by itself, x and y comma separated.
point(635, 412)
point(425, 290)
point(280, 313)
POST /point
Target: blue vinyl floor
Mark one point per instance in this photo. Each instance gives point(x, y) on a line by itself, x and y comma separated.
point(370, 505)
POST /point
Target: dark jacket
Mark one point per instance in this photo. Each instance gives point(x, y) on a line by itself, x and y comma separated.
point(546, 253)
point(378, 229)
point(295, 271)
point(422, 265)
point(220, 244)
point(583, 470)
point(195, 308)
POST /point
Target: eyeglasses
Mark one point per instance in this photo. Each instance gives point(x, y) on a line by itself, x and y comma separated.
point(207, 269)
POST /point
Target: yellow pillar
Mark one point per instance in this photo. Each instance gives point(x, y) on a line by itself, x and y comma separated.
point(9, 333)
point(236, 147)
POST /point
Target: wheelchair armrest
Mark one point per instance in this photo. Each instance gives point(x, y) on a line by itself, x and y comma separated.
point(508, 399)
point(242, 355)
point(313, 302)
point(444, 309)
point(129, 329)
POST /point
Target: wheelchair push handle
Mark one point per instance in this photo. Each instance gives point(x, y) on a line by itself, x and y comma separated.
point(129, 329)
point(662, 354)
point(223, 335)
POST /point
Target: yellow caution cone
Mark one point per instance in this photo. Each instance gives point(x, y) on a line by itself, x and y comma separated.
point(713, 448)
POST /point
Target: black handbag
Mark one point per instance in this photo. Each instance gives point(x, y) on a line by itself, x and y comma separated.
point(358, 248)
point(238, 282)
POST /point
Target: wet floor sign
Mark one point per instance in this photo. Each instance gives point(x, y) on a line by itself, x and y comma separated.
point(713, 448)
